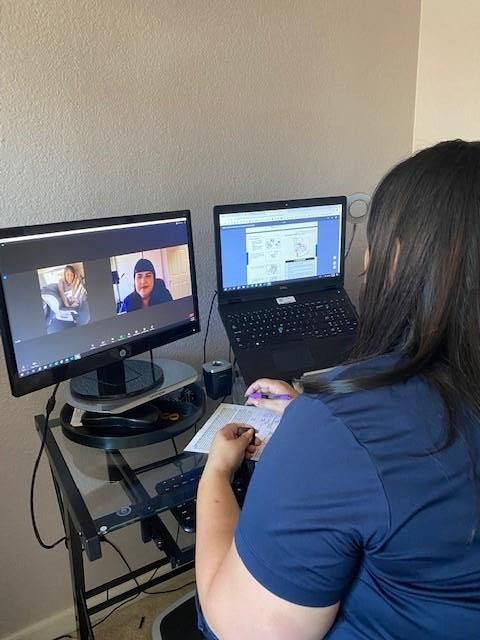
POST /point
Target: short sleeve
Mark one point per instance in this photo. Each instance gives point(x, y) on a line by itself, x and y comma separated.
point(315, 503)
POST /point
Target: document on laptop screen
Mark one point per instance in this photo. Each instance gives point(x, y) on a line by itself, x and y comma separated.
point(263, 420)
point(265, 247)
point(281, 253)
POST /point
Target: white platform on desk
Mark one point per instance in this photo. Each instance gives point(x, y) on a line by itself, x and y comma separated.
point(175, 376)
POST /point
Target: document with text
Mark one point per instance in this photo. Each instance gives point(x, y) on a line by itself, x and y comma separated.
point(263, 420)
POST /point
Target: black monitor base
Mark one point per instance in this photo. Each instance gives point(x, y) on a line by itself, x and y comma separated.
point(118, 381)
point(157, 420)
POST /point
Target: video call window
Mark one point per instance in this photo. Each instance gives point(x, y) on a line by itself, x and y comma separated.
point(101, 276)
point(147, 278)
point(64, 296)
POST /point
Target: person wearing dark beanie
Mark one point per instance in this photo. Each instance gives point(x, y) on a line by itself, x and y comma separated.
point(149, 290)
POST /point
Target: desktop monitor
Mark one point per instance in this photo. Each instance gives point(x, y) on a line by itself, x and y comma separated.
point(84, 296)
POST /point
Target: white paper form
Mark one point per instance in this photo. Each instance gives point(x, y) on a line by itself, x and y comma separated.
point(263, 420)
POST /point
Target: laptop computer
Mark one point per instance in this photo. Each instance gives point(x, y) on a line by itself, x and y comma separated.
point(280, 273)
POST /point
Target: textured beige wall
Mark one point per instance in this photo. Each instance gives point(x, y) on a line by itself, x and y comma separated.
point(120, 106)
point(448, 83)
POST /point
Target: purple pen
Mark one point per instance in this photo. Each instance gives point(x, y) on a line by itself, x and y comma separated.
point(271, 396)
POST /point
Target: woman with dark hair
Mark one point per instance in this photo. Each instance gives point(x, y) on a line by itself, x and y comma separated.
point(149, 290)
point(362, 517)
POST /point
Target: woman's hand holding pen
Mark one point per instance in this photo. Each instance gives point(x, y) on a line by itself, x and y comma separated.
point(270, 394)
point(231, 445)
point(235, 441)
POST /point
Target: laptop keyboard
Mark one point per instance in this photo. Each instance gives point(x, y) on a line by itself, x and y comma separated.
point(319, 319)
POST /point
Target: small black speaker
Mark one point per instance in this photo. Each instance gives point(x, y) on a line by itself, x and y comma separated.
point(217, 376)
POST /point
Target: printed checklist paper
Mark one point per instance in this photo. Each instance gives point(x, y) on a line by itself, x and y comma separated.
point(263, 420)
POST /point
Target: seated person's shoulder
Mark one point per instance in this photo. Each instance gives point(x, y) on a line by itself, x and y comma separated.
point(160, 291)
point(367, 412)
point(130, 302)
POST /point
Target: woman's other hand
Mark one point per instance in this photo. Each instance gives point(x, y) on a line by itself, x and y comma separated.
point(231, 445)
point(271, 389)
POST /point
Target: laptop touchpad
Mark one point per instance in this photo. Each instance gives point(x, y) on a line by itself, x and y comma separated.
point(293, 357)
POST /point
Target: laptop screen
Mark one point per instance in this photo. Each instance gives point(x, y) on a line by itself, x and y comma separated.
point(260, 248)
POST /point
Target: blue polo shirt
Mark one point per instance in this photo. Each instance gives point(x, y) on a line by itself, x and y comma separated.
point(350, 503)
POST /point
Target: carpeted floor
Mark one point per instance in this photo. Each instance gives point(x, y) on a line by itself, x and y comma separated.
point(126, 623)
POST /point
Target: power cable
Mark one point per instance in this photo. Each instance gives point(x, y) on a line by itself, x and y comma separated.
point(354, 231)
point(208, 326)
point(48, 410)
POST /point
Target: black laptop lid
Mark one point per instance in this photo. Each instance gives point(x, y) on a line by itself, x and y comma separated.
point(271, 249)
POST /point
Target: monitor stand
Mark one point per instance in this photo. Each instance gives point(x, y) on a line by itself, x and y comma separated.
point(98, 413)
point(118, 381)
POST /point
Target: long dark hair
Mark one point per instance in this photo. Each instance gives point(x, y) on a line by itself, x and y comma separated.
point(421, 295)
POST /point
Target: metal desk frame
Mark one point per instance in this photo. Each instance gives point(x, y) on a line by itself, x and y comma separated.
point(84, 534)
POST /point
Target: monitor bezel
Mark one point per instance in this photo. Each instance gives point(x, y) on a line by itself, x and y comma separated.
point(21, 386)
point(302, 286)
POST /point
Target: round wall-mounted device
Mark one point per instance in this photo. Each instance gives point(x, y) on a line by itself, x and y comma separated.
point(357, 207)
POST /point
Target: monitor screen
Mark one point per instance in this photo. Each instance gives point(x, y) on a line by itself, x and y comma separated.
point(260, 248)
point(76, 295)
